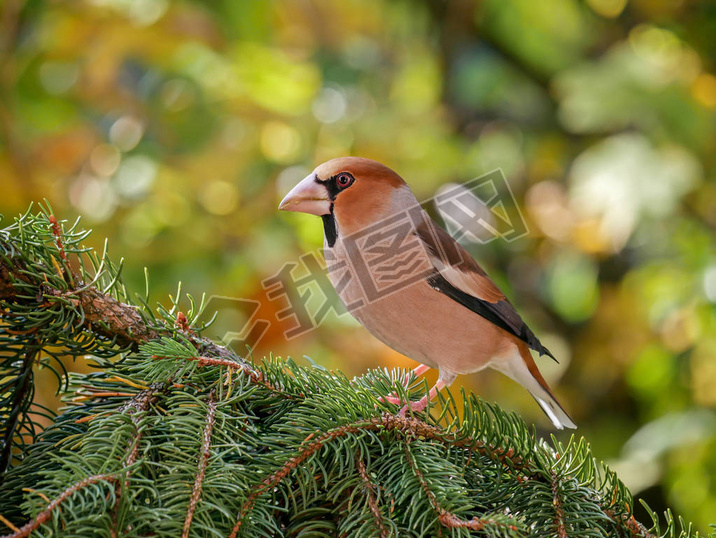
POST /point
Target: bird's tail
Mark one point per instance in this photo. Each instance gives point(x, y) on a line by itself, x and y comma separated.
point(553, 409)
point(522, 368)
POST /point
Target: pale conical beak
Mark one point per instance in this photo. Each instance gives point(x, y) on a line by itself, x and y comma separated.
point(308, 196)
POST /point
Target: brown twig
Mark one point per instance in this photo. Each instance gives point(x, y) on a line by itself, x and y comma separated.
point(254, 375)
point(142, 400)
point(557, 503)
point(410, 428)
point(372, 496)
point(43, 516)
point(108, 317)
point(57, 233)
point(292, 463)
point(423, 483)
point(140, 403)
point(630, 522)
point(448, 519)
point(201, 467)
point(103, 314)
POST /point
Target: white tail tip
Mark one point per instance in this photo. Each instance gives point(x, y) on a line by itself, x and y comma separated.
point(556, 414)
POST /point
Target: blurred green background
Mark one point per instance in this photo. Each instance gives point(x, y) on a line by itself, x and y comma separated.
point(174, 129)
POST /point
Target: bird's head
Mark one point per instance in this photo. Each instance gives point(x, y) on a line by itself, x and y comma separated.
point(353, 191)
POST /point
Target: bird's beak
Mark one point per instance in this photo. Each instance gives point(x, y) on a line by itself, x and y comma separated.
point(309, 196)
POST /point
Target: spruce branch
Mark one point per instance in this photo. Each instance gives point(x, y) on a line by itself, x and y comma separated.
point(57, 294)
point(19, 403)
point(558, 510)
point(201, 467)
point(106, 316)
point(174, 435)
point(45, 515)
point(253, 374)
point(448, 519)
point(372, 497)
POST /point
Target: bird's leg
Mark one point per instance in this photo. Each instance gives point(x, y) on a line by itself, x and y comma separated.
point(416, 372)
point(423, 402)
point(393, 398)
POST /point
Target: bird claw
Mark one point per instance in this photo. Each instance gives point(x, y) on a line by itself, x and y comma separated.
point(392, 399)
point(415, 407)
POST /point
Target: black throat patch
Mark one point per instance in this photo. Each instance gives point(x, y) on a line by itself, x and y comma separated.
point(329, 228)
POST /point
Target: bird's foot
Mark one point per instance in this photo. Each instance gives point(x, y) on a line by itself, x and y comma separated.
point(415, 407)
point(392, 399)
point(396, 400)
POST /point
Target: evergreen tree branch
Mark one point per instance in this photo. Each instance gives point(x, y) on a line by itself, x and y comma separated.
point(103, 314)
point(370, 490)
point(253, 374)
point(292, 463)
point(409, 428)
point(448, 519)
point(19, 404)
point(136, 407)
point(633, 526)
point(201, 467)
point(43, 294)
point(196, 441)
point(45, 515)
point(106, 316)
point(557, 502)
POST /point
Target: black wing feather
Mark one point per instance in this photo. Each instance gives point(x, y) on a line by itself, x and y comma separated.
point(501, 313)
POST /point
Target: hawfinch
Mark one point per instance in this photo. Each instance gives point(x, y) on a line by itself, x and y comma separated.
point(412, 285)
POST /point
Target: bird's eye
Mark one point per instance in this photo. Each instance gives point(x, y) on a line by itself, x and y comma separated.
point(343, 180)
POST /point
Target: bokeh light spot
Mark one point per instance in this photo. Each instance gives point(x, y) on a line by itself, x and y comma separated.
point(93, 197)
point(547, 204)
point(105, 159)
point(177, 94)
point(146, 12)
point(219, 197)
point(288, 179)
point(58, 77)
point(703, 373)
point(280, 142)
point(710, 283)
point(624, 178)
point(572, 286)
point(135, 176)
point(329, 106)
point(655, 44)
point(704, 90)
point(651, 371)
point(607, 8)
point(126, 133)
point(679, 330)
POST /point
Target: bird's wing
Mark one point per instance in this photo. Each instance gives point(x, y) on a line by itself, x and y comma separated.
point(461, 278)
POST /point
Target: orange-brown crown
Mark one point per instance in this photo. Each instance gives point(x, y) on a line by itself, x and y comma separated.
point(370, 196)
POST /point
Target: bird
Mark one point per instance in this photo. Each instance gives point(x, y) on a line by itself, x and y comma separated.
point(413, 286)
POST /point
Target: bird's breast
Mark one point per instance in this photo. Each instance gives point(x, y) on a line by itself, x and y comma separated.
point(392, 299)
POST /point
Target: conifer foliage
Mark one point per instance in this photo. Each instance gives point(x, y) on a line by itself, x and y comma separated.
point(174, 435)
